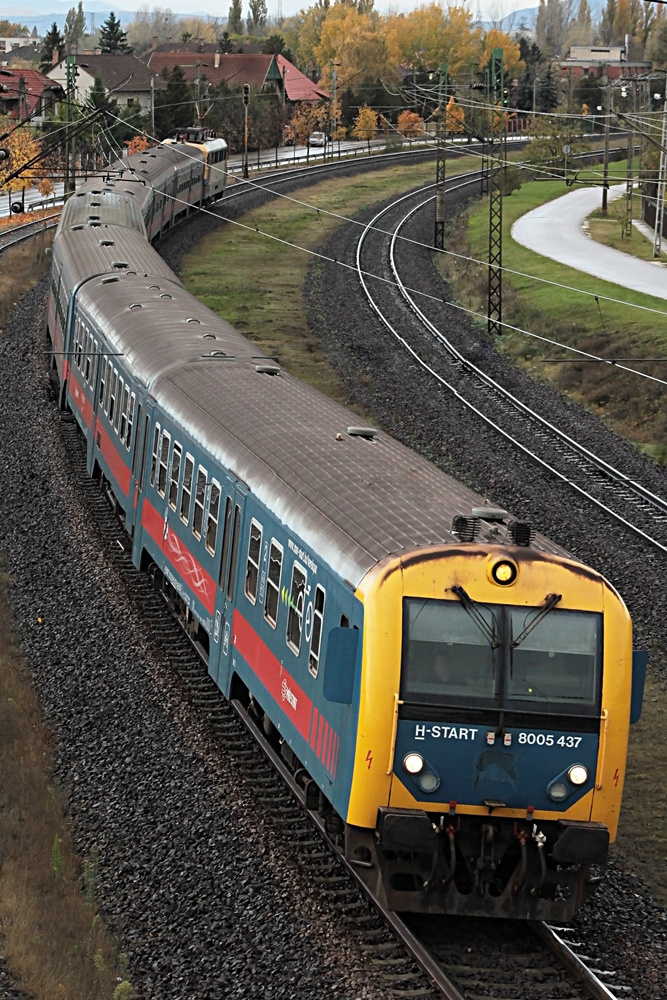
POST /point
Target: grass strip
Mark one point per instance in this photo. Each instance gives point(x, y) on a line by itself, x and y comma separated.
point(631, 405)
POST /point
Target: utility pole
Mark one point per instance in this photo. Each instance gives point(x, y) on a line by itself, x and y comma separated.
point(439, 241)
point(152, 107)
point(332, 116)
point(497, 171)
point(660, 200)
point(605, 164)
point(246, 99)
point(70, 91)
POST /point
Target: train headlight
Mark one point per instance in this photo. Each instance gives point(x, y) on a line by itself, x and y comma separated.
point(428, 781)
point(578, 774)
point(558, 790)
point(413, 763)
point(504, 572)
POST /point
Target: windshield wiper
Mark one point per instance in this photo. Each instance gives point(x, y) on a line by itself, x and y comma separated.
point(550, 602)
point(471, 608)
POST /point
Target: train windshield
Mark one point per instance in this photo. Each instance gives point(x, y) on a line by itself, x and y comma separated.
point(495, 656)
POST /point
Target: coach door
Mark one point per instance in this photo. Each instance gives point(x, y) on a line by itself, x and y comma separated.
point(232, 520)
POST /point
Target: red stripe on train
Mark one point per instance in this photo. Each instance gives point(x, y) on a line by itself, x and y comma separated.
point(179, 556)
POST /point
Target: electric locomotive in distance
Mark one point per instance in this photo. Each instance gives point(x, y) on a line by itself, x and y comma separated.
point(453, 690)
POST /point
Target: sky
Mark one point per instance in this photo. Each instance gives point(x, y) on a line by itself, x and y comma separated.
point(23, 10)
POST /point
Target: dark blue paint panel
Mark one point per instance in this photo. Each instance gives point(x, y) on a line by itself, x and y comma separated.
point(471, 770)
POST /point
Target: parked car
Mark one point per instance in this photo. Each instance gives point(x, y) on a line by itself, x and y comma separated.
point(317, 139)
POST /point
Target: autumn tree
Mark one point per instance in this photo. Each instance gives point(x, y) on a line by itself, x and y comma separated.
point(75, 27)
point(410, 124)
point(454, 116)
point(137, 144)
point(359, 51)
point(147, 25)
point(235, 18)
point(257, 14)
point(23, 148)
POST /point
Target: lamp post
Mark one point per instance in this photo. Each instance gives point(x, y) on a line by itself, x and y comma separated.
point(246, 99)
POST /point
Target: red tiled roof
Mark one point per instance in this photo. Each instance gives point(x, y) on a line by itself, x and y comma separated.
point(298, 87)
point(237, 68)
point(35, 85)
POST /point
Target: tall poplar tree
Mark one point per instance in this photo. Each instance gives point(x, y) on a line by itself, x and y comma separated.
point(235, 18)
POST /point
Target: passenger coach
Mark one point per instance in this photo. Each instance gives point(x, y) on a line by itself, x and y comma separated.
point(453, 690)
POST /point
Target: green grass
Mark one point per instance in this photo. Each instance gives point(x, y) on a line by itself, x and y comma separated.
point(633, 406)
point(255, 282)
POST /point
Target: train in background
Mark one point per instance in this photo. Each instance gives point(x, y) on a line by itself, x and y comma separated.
point(452, 690)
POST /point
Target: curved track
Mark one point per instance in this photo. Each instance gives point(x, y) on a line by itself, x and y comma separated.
point(380, 246)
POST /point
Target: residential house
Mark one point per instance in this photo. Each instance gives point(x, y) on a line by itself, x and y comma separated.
point(27, 93)
point(124, 77)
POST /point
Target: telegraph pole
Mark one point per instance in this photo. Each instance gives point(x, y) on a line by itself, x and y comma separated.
point(605, 166)
point(660, 201)
point(70, 92)
point(496, 178)
point(439, 241)
point(246, 99)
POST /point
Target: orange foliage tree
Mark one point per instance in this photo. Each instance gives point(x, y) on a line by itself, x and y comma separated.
point(23, 148)
point(410, 124)
point(137, 144)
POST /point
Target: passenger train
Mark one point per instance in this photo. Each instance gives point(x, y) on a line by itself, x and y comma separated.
point(453, 689)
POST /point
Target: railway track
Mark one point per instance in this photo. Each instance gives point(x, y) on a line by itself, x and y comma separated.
point(409, 963)
point(447, 957)
point(571, 464)
point(12, 236)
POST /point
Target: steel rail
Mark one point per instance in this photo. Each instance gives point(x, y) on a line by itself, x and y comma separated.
point(627, 482)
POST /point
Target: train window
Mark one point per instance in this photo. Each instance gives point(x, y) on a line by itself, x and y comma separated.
point(175, 475)
point(112, 396)
point(156, 443)
point(295, 608)
point(200, 497)
point(316, 639)
point(235, 552)
point(226, 539)
point(88, 359)
point(252, 565)
point(555, 661)
point(273, 583)
point(103, 378)
point(121, 419)
point(130, 422)
point(212, 517)
point(122, 400)
point(163, 462)
point(186, 493)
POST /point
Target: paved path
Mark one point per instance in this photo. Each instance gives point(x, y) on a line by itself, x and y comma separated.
point(555, 230)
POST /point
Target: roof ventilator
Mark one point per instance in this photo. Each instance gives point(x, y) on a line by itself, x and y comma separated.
point(489, 514)
point(369, 433)
point(465, 527)
point(268, 369)
point(520, 532)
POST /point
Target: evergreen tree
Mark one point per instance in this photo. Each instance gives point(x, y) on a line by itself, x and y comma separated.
point(547, 90)
point(174, 106)
point(53, 40)
point(225, 43)
point(112, 37)
point(235, 18)
point(75, 27)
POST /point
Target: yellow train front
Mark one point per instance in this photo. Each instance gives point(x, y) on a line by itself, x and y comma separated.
point(494, 708)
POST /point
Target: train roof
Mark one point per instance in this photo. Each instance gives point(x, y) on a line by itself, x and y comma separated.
point(85, 251)
point(354, 495)
point(154, 324)
point(100, 203)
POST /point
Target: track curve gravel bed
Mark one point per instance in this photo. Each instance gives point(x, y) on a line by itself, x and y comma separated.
point(206, 900)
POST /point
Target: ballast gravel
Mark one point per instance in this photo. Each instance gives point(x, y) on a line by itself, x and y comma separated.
point(205, 897)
